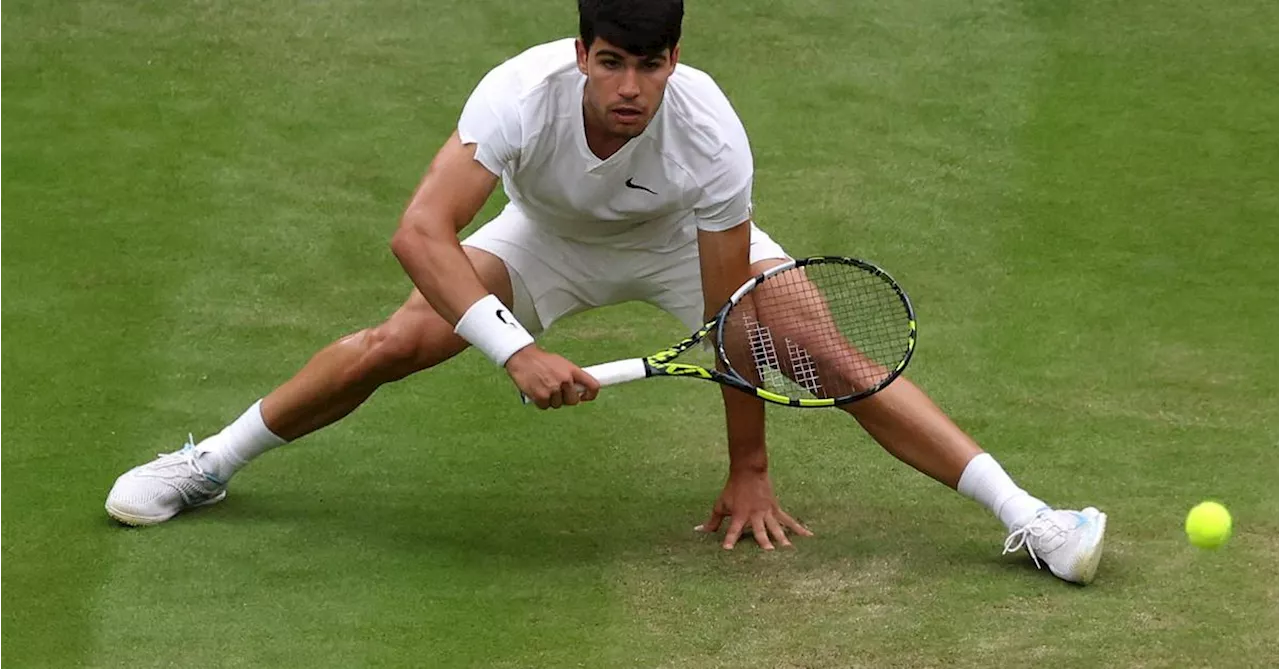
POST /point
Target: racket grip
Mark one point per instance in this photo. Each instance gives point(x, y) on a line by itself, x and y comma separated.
point(611, 373)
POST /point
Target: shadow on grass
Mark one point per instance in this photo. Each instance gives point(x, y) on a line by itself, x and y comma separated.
point(471, 525)
point(595, 526)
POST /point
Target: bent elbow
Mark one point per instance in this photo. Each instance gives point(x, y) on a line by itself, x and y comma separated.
point(414, 234)
point(404, 239)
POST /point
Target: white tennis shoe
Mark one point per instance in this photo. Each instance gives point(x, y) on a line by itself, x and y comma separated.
point(1070, 542)
point(157, 491)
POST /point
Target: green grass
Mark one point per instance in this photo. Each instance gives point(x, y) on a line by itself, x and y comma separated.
point(1080, 197)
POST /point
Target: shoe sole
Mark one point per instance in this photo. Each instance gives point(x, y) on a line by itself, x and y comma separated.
point(1087, 568)
point(133, 520)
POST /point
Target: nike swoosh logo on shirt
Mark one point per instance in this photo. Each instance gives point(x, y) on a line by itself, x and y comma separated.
point(632, 184)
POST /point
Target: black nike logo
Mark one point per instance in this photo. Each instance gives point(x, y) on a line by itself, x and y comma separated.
point(632, 184)
point(502, 316)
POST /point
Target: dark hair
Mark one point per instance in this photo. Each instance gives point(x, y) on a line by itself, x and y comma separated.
point(641, 27)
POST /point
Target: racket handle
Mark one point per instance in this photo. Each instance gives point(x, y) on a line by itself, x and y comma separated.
point(611, 373)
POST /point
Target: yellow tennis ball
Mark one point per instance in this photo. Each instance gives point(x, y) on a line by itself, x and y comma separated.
point(1208, 525)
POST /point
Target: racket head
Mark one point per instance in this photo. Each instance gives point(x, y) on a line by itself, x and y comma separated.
point(817, 332)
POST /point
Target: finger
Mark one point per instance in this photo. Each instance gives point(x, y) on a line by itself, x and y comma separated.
point(555, 401)
point(569, 392)
point(713, 523)
point(540, 400)
point(589, 387)
point(735, 531)
point(762, 537)
point(793, 524)
point(775, 530)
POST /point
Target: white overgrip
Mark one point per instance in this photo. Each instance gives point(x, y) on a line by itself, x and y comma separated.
point(621, 371)
point(611, 373)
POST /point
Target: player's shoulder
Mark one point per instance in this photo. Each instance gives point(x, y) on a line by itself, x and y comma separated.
point(530, 71)
point(701, 131)
point(700, 116)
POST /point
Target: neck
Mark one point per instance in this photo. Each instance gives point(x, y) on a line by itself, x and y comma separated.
point(601, 142)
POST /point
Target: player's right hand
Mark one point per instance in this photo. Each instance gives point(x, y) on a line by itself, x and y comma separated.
point(550, 381)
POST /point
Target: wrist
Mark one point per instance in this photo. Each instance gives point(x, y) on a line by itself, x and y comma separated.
point(517, 359)
point(752, 467)
point(748, 459)
point(489, 326)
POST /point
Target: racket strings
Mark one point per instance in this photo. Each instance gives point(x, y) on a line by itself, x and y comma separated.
point(824, 330)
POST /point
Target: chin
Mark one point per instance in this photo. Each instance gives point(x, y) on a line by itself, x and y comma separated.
point(631, 130)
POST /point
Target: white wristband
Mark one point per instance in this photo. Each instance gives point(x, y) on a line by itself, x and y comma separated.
point(489, 326)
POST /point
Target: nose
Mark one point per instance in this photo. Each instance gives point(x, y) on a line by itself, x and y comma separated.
point(629, 88)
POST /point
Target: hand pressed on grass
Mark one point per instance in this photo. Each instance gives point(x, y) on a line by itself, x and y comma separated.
point(749, 503)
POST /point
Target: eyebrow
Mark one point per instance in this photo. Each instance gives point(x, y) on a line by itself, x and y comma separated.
point(610, 53)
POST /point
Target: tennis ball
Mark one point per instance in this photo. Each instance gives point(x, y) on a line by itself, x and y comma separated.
point(1208, 525)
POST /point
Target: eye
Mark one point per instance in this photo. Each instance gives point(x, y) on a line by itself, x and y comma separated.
point(611, 64)
point(651, 65)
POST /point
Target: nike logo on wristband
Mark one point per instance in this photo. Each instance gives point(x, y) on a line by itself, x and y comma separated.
point(502, 316)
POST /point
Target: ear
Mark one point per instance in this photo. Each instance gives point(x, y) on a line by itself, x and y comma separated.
point(675, 56)
point(582, 55)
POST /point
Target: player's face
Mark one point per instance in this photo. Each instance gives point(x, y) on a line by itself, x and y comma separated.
point(624, 90)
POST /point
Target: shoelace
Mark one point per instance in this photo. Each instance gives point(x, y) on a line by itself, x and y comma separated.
point(188, 455)
point(1040, 527)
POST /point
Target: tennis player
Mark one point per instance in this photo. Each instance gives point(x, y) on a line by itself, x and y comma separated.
point(629, 177)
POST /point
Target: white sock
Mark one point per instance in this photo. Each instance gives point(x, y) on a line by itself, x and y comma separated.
point(986, 482)
point(248, 437)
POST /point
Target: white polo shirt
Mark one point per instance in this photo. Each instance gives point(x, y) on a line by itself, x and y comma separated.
point(691, 165)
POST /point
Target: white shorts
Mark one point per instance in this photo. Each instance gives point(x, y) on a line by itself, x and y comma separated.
point(553, 277)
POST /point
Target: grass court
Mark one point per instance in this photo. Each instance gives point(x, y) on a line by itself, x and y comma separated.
point(1080, 196)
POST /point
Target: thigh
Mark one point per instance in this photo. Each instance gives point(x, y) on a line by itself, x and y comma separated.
point(677, 284)
point(791, 328)
point(423, 338)
point(551, 277)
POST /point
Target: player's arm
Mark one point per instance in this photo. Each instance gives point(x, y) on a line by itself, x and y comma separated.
point(724, 257)
point(747, 499)
point(454, 189)
point(725, 261)
point(426, 243)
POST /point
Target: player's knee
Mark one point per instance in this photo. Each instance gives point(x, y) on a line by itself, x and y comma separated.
point(384, 353)
point(392, 351)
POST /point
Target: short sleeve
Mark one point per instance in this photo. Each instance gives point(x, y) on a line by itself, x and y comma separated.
point(726, 197)
point(491, 121)
point(724, 175)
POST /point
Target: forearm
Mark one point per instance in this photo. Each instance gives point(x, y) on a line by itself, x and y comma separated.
point(431, 255)
point(725, 265)
point(744, 420)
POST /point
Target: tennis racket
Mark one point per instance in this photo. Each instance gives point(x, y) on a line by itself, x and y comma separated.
point(813, 332)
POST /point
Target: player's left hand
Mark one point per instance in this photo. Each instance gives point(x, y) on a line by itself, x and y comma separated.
point(748, 502)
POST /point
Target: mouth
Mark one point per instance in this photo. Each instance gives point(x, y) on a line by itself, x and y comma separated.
point(627, 115)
